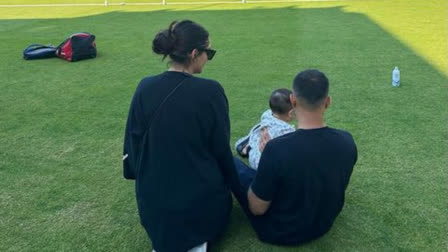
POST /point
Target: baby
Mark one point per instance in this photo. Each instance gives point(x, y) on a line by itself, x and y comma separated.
point(275, 120)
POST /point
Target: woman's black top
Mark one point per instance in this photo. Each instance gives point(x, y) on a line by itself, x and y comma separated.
point(182, 164)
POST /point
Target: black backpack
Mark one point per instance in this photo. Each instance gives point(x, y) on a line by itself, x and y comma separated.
point(78, 46)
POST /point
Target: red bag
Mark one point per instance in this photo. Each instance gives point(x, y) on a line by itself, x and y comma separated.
point(78, 46)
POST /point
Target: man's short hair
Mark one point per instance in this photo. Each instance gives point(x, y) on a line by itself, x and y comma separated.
point(279, 102)
point(311, 88)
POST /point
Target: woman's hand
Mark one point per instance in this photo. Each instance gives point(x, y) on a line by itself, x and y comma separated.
point(264, 138)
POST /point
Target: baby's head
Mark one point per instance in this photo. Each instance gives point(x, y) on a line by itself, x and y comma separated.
point(280, 104)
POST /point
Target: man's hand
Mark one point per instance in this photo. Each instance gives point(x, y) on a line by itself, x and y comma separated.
point(264, 138)
point(256, 205)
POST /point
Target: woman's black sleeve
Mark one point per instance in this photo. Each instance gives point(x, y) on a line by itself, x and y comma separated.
point(132, 138)
point(220, 142)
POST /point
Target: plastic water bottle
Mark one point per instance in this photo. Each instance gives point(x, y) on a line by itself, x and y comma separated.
point(396, 77)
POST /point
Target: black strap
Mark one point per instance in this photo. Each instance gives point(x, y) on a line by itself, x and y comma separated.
point(163, 102)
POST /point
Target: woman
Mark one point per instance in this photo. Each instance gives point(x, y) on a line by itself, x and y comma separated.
point(177, 145)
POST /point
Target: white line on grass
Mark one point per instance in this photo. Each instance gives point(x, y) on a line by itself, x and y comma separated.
point(167, 3)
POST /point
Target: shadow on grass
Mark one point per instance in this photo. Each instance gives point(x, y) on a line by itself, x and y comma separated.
point(71, 116)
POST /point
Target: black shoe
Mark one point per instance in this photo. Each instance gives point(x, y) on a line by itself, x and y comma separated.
point(240, 147)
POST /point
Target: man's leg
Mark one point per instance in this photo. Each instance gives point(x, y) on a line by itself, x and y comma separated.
point(245, 174)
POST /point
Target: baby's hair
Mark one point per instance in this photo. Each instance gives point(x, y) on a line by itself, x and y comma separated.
point(279, 101)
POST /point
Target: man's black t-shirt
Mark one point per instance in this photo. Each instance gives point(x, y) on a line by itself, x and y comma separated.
point(304, 174)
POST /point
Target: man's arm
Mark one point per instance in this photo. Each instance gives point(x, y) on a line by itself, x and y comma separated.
point(256, 205)
point(262, 190)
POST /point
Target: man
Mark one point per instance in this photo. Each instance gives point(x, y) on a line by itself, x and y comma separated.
point(299, 187)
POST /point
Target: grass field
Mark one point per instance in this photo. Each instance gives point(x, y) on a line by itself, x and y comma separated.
point(62, 124)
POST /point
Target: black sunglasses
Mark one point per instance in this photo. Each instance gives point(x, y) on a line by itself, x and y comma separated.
point(210, 53)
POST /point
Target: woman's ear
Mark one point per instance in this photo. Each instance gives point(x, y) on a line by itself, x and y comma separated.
point(194, 54)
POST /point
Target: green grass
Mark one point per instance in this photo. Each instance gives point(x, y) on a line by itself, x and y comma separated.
point(61, 124)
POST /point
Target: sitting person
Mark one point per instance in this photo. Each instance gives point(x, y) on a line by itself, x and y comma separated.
point(275, 120)
point(299, 187)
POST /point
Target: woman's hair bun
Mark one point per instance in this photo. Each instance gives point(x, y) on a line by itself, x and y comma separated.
point(163, 43)
point(179, 40)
